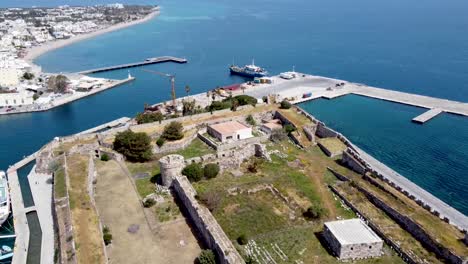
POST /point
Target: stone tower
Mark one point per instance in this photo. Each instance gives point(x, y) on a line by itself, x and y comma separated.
point(171, 166)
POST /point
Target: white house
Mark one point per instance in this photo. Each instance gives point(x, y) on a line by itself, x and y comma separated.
point(231, 130)
point(352, 239)
point(16, 99)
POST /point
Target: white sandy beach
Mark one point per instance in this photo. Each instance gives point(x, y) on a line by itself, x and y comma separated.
point(37, 51)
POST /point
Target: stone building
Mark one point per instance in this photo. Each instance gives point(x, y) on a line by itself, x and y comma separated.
point(231, 130)
point(352, 239)
point(171, 167)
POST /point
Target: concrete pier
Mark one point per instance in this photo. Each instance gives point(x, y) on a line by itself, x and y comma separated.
point(426, 116)
point(20, 251)
point(111, 124)
point(136, 64)
point(329, 88)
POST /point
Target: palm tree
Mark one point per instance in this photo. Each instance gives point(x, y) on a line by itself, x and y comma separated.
point(187, 89)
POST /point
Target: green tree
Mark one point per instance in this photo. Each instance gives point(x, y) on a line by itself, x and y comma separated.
point(160, 142)
point(134, 146)
point(143, 118)
point(211, 170)
point(315, 211)
point(58, 84)
point(206, 257)
point(188, 107)
point(285, 104)
point(194, 172)
point(173, 131)
point(250, 120)
point(289, 128)
point(242, 240)
point(28, 76)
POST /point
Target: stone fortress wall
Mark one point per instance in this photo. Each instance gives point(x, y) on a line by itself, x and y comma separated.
point(358, 164)
point(210, 231)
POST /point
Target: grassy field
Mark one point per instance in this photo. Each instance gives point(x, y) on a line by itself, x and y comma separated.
point(196, 149)
point(88, 240)
point(334, 145)
point(60, 185)
point(264, 217)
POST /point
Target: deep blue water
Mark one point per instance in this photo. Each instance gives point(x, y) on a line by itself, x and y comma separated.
point(404, 45)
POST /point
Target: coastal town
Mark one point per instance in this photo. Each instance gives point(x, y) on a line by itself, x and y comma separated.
point(237, 174)
point(28, 32)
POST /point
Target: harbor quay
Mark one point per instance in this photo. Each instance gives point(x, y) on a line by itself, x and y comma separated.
point(306, 87)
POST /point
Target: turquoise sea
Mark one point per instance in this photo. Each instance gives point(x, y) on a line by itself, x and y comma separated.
point(406, 45)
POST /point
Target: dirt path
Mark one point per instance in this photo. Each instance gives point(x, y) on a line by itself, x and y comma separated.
point(316, 173)
point(119, 208)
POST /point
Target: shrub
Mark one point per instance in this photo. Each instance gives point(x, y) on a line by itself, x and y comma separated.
point(265, 99)
point(217, 105)
point(211, 170)
point(206, 257)
point(289, 128)
point(253, 165)
point(28, 76)
point(250, 260)
point(245, 100)
point(315, 211)
point(194, 172)
point(105, 157)
point(211, 200)
point(134, 146)
point(173, 131)
point(242, 240)
point(250, 120)
point(35, 96)
point(285, 104)
point(143, 118)
point(160, 142)
point(147, 203)
point(278, 135)
point(107, 236)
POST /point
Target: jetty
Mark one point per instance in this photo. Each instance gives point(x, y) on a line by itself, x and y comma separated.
point(426, 116)
point(329, 88)
point(136, 64)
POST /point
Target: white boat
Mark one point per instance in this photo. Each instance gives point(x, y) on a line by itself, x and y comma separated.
point(4, 198)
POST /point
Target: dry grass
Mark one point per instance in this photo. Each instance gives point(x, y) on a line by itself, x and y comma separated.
point(119, 206)
point(88, 240)
point(334, 145)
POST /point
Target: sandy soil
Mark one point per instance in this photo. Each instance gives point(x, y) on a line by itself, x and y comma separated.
point(119, 207)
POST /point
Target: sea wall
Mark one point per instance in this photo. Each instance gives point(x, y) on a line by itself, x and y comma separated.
point(324, 132)
point(414, 229)
point(207, 226)
point(349, 161)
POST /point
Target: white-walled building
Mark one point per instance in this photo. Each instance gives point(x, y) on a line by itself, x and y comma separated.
point(16, 99)
point(231, 130)
point(352, 239)
point(9, 77)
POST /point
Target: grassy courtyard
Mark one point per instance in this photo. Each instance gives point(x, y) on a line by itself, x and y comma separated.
point(246, 205)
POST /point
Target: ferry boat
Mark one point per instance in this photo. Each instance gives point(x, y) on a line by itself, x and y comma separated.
point(250, 71)
point(4, 198)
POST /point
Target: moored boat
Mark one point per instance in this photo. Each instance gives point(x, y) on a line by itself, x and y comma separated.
point(4, 198)
point(250, 71)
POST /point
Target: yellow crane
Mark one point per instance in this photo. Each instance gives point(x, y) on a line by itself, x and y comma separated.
point(172, 78)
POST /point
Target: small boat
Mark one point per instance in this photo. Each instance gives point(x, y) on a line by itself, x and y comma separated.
point(4, 198)
point(6, 252)
point(250, 71)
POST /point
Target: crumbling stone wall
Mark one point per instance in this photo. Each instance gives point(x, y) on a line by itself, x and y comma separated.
point(414, 229)
point(349, 161)
point(324, 132)
point(205, 223)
